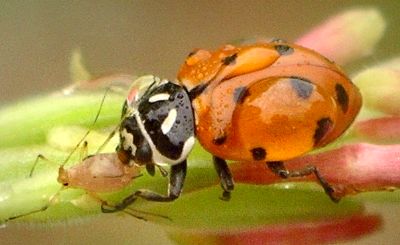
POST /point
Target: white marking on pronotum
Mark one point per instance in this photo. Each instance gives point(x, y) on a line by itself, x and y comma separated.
point(128, 142)
point(187, 146)
point(169, 121)
point(159, 97)
point(159, 158)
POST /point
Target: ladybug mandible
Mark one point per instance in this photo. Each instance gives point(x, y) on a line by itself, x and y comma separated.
point(266, 102)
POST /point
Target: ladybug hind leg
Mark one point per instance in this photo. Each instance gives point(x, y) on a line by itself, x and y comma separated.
point(279, 169)
point(176, 181)
point(225, 176)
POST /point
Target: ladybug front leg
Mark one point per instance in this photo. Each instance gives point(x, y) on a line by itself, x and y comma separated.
point(225, 176)
point(279, 169)
point(176, 181)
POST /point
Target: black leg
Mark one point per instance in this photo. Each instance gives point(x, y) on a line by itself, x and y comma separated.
point(178, 174)
point(279, 169)
point(225, 176)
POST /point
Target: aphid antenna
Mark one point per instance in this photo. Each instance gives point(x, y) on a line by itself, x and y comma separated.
point(108, 138)
point(89, 130)
point(127, 113)
point(40, 156)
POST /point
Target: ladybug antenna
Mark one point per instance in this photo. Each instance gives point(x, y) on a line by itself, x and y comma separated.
point(127, 113)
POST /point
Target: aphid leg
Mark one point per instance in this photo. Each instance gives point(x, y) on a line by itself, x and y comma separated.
point(84, 150)
point(279, 169)
point(83, 154)
point(176, 181)
point(39, 157)
point(225, 176)
point(51, 201)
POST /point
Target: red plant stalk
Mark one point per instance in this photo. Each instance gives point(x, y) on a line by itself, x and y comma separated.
point(350, 169)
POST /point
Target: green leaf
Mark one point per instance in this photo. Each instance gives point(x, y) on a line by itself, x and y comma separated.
point(52, 119)
point(250, 206)
point(27, 122)
point(21, 194)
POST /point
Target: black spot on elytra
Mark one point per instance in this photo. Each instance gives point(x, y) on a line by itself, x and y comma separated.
point(323, 127)
point(240, 94)
point(259, 153)
point(284, 49)
point(196, 91)
point(219, 140)
point(303, 87)
point(342, 97)
point(229, 59)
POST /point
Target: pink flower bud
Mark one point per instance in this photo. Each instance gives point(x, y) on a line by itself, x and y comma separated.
point(380, 87)
point(350, 169)
point(348, 36)
point(380, 130)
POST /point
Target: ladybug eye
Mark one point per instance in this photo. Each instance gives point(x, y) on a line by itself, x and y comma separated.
point(132, 95)
point(140, 87)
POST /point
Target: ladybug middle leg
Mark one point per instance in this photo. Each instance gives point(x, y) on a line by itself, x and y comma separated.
point(225, 176)
point(176, 181)
point(279, 169)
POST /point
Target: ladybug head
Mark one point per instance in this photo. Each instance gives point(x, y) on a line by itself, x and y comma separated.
point(157, 123)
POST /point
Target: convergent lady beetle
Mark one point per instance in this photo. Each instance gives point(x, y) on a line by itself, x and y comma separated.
point(266, 102)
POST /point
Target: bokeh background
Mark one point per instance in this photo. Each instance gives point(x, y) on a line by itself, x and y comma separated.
point(142, 37)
